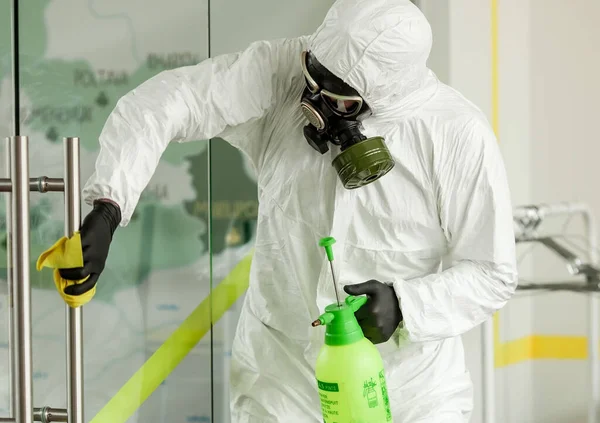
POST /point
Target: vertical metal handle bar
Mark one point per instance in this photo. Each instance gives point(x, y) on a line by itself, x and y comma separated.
point(74, 315)
point(20, 271)
point(10, 281)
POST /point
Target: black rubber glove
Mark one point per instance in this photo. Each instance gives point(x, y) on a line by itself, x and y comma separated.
point(96, 232)
point(380, 316)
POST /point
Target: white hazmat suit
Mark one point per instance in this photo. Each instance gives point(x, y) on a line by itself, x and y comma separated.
point(438, 226)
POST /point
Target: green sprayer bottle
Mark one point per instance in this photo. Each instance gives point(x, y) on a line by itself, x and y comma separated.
point(349, 369)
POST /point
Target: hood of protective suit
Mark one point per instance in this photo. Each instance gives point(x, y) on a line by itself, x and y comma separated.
point(380, 48)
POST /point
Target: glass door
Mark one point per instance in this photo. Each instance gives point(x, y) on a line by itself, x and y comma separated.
point(77, 59)
point(157, 336)
point(6, 130)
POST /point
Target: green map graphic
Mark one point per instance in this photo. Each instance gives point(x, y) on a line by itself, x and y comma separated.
point(71, 98)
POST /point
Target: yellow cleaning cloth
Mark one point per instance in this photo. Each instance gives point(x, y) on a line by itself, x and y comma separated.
point(66, 253)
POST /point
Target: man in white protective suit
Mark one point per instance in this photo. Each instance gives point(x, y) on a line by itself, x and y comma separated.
point(351, 136)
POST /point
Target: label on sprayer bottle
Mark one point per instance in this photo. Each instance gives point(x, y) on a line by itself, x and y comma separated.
point(331, 401)
point(336, 401)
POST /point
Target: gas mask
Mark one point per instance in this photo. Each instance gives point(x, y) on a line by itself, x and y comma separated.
point(334, 111)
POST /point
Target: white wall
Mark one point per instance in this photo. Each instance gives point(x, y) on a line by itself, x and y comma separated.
point(548, 90)
point(565, 64)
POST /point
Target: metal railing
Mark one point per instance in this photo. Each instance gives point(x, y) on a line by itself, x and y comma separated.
point(18, 187)
point(529, 218)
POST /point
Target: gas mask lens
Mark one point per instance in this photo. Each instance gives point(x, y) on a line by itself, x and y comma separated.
point(341, 105)
point(344, 106)
point(333, 110)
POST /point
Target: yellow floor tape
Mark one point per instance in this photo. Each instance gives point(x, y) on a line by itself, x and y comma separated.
point(539, 347)
point(158, 367)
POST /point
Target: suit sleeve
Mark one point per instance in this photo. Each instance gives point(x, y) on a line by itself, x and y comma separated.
point(189, 103)
point(476, 216)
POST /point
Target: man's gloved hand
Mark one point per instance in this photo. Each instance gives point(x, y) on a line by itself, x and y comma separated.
point(381, 314)
point(96, 232)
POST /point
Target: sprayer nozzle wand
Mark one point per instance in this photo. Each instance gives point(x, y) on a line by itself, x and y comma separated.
point(337, 296)
point(327, 243)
